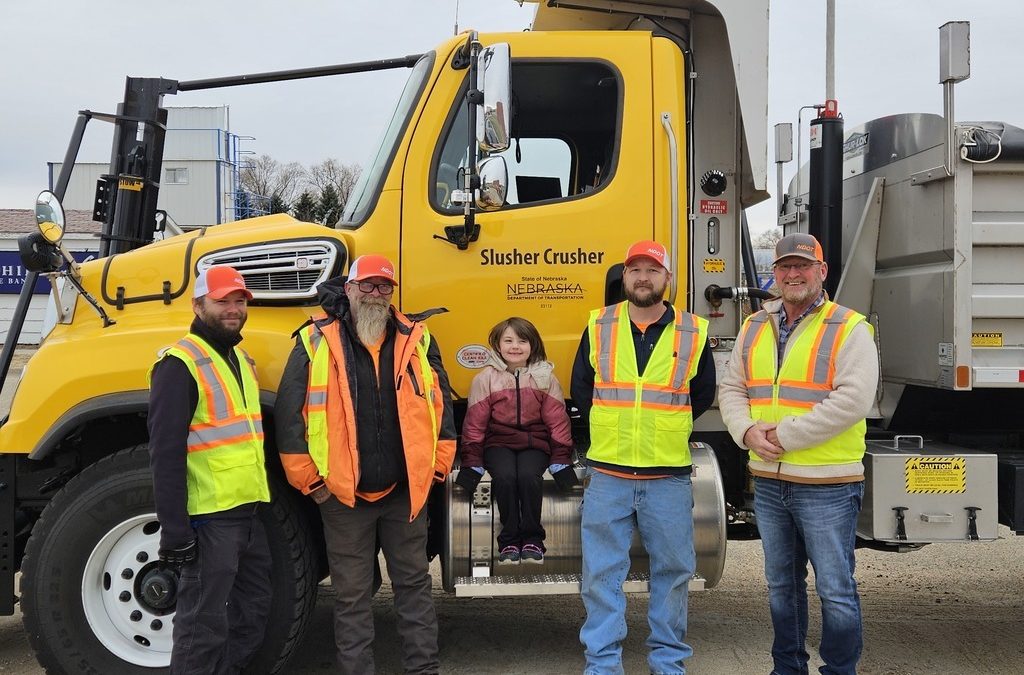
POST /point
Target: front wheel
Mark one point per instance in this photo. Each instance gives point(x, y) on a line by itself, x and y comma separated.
point(94, 598)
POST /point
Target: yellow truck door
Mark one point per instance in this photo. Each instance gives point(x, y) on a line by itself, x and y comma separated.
point(580, 192)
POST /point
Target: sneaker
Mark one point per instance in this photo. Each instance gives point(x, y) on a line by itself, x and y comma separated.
point(532, 554)
point(509, 556)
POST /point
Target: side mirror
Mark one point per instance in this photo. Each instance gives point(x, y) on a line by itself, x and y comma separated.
point(50, 217)
point(493, 174)
point(494, 80)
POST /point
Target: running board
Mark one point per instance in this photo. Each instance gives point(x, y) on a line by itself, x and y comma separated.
point(545, 584)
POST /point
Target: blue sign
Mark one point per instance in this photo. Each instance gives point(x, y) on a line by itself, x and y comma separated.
point(12, 272)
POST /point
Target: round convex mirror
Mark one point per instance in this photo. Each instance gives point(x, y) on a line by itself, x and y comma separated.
point(50, 217)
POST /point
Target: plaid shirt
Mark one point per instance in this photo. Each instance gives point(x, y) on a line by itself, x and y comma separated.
point(785, 331)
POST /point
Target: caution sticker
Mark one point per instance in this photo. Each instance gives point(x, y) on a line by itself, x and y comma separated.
point(936, 475)
point(714, 265)
point(986, 339)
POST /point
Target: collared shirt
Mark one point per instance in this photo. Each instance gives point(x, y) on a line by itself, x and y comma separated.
point(786, 330)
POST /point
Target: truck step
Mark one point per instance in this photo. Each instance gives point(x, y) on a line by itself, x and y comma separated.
point(545, 584)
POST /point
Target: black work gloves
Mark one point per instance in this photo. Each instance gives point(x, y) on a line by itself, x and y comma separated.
point(468, 479)
point(565, 479)
point(179, 557)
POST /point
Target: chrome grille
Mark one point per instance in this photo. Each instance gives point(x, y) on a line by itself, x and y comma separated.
point(281, 271)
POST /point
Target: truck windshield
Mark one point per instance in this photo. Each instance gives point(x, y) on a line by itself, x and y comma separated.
point(365, 193)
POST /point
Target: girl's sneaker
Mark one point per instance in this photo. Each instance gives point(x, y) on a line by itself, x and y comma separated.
point(509, 556)
point(532, 554)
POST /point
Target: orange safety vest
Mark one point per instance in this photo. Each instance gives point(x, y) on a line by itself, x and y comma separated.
point(420, 409)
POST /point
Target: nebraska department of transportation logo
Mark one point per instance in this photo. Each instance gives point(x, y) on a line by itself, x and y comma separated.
point(472, 356)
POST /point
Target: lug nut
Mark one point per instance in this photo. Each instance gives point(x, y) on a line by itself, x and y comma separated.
point(157, 624)
point(127, 573)
point(125, 596)
point(142, 556)
point(135, 616)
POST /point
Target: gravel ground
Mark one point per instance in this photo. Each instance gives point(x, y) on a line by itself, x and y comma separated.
point(954, 608)
point(948, 608)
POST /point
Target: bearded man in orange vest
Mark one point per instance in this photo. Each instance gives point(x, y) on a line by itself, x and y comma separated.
point(206, 447)
point(798, 386)
point(365, 428)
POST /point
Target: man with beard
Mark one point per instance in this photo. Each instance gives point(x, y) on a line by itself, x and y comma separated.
point(800, 382)
point(206, 445)
point(365, 428)
point(642, 374)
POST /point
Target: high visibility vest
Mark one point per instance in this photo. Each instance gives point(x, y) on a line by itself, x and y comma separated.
point(803, 380)
point(224, 463)
point(642, 421)
point(417, 393)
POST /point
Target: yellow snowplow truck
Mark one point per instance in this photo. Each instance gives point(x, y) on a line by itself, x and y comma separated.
point(515, 171)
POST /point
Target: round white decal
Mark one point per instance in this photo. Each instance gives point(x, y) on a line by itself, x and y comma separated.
point(472, 356)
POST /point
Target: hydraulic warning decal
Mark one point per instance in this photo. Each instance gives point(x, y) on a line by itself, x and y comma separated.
point(936, 475)
point(986, 339)
point(714, 265)
point(714, 206)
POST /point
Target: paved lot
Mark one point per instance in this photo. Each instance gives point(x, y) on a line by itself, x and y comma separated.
point(955, 608)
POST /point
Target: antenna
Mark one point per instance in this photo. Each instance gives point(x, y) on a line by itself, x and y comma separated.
point(456, 17)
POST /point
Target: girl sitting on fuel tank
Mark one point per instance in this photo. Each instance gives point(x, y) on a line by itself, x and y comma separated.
point(515, 428)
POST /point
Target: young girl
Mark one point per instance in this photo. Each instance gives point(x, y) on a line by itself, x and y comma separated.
point(515, 428)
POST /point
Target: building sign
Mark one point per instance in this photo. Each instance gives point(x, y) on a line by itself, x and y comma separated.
point(13, 273)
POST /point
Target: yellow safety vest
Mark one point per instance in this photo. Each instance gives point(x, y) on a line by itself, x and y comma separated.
point(642, 421)
point(803, 381)
point(319, 352)
point(225, 437)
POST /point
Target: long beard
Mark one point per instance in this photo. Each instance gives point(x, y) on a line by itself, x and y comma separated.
point(371, 319)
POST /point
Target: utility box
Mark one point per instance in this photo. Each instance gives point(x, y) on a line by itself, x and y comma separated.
point(919, 494)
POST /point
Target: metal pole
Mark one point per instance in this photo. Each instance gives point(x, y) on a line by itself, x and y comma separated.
point(830, 50)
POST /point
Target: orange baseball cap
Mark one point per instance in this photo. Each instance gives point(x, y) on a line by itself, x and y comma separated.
point(800, 245)
point(648, 249)
point(370, 266)
point(216, 282)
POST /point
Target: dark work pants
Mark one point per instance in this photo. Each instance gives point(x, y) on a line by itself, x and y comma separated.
point(517, 484)
point(351, 536)
point(223, 598)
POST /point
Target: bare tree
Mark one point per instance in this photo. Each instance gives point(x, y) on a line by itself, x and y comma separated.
point(768, 238)
point(342, 177)
point(265, 176)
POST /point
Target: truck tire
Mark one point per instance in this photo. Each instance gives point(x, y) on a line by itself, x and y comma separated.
point(95, 543)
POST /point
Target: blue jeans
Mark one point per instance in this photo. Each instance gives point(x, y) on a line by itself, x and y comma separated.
point(800, 522)
point(662, 509)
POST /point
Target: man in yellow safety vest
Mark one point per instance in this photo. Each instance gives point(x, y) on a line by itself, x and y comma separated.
point(799, 384)
point(206, 447)
point(643, 373)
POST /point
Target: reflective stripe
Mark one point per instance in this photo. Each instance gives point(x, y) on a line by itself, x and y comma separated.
point(827, 341)
point(760, 391)
point(803, 394)
point(217, 395)
point(683, 356)
point(605, 337)
point(209, 435)
point(317, 398)
point(611, 395)
point(757, 323)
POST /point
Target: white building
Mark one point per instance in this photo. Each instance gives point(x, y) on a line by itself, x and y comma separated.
point(199, 182)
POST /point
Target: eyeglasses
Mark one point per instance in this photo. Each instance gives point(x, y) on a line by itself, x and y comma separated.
point(383, 289)
point(799, 267)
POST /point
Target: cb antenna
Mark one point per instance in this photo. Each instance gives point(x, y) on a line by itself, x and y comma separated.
point(456, 17)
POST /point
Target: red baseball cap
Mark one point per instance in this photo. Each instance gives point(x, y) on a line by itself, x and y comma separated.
point(370, 266)
point(648, 249)
point(216, 282)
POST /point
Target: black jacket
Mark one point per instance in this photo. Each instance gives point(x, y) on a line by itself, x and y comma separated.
point(173, 397)
point(378, 432)
point(702, 386)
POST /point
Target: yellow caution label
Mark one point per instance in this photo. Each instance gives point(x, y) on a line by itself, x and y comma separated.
point(132, 184)
point(714, 265)
point(986, 339)
point(936, 475)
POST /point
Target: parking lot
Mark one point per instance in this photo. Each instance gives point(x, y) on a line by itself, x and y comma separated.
point(954, 608)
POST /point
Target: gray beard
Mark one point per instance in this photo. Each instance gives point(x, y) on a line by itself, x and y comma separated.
point(371, 321)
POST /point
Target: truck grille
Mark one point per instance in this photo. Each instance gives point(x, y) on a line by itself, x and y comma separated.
point(283, 271)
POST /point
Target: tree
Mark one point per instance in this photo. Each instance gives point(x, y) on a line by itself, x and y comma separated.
point(305, 208)
point(328, 210)
point(342, 177)
point(267, 177)
point(769, 238)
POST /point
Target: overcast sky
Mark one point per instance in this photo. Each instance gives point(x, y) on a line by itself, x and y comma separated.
point(65, 55)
